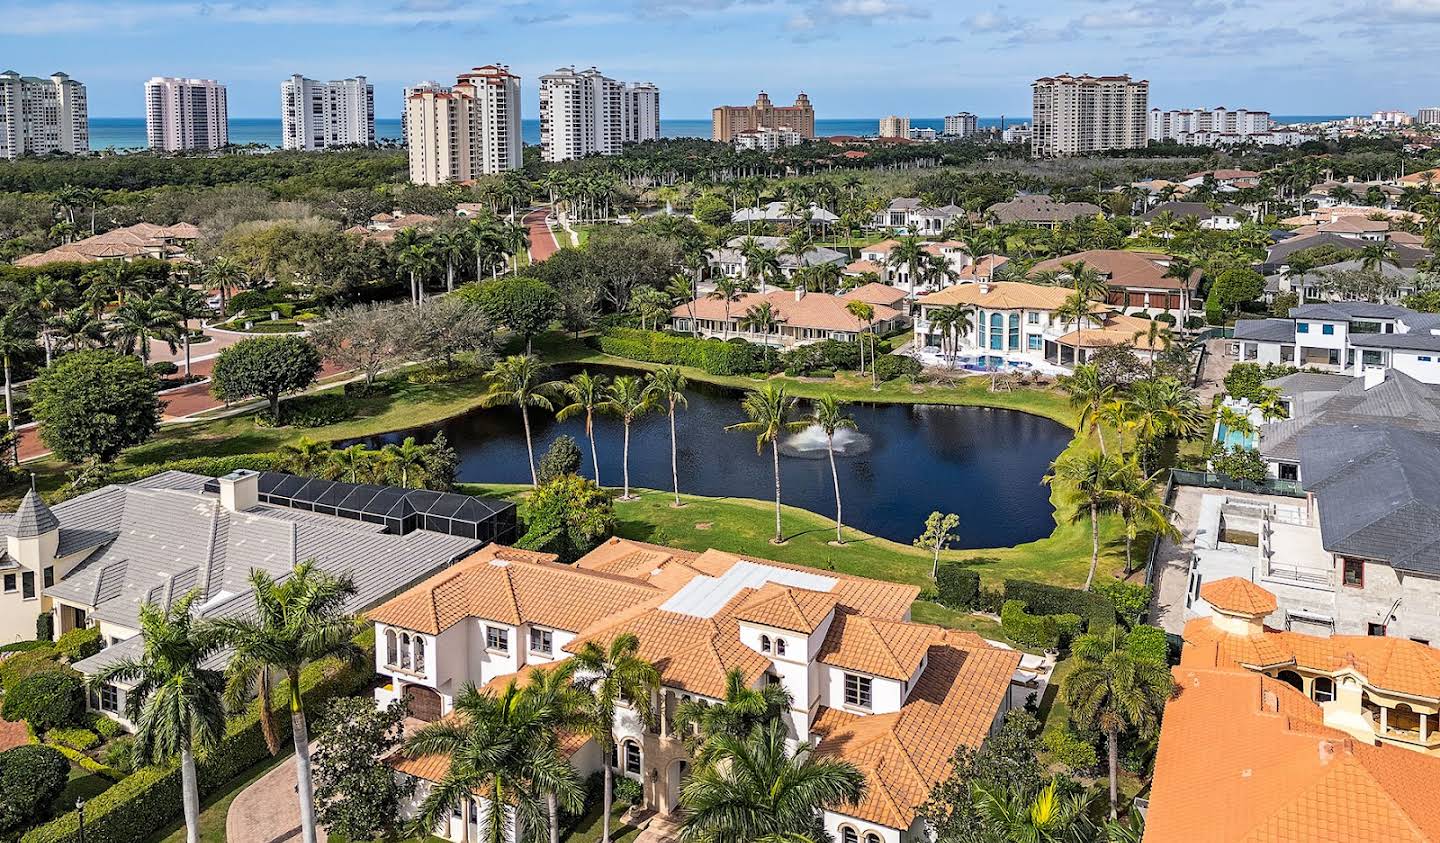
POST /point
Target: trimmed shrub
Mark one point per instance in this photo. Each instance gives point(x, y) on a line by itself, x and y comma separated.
point(1070, 749)
point(716, 357)
point(888, 367)
point(79, 644)
point(958, 587)
point(31, 778)
point(145, 801)
point(28, 663)
point(46, 700)
point(1096, 611)
point(1030, 630)
point(74, 737)
point(1148, 643)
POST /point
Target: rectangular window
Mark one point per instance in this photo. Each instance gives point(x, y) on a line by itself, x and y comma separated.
point(49, 575)
point(1327, 330)
point(1354, 572)
point(1376, 630)
point(27, 585)
point(497, 639)
point(857, 690)
point(12, 584)
point(541, 641)
point(1302, 327)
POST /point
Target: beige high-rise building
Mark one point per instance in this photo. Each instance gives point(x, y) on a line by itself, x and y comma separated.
point(470, 130)
point(894, 127)
point(42, 116)
point(727, 121)
point(1075, 115)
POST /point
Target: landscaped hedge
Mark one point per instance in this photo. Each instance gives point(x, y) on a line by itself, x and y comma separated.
point(1097, 613)
point(1048, 631)
point(717, 357)
point(958, 586)
point(143, 802)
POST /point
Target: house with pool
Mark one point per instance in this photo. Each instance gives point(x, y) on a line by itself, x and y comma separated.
point(893, 697)
point(1013, 324)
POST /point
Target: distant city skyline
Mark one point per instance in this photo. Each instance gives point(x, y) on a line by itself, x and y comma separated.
point(854, 58)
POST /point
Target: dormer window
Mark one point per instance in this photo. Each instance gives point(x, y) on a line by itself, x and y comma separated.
point(764, 643)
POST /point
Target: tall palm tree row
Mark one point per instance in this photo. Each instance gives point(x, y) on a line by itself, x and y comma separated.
point(769, 409)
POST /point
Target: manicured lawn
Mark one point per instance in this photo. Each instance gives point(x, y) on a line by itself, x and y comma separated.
point(214, 807)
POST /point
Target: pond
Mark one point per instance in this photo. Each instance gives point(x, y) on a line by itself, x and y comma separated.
point(903, 462)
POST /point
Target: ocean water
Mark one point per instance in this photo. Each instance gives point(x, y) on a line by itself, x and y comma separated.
point(129, 132)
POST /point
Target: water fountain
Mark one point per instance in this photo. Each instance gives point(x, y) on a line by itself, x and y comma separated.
point(810, 443)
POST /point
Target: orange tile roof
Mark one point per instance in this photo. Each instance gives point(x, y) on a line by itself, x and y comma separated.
point(1244, 757)
point(512, 586)
point(879, 647)
point(1237, 594)
point(906, 753)
point(795, 609)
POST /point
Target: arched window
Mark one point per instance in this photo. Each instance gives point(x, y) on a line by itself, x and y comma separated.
point(419, 654)
point(764, 643)
point(1324, 689)
point(779, 646)
point(392, 651)
point(632, 757)
point(405, 650)
point(848, 835)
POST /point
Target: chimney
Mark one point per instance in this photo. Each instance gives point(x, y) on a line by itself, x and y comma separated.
point(1374, 376)
point(240, 490)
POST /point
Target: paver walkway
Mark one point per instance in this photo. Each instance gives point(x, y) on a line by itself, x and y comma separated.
point(267, 811)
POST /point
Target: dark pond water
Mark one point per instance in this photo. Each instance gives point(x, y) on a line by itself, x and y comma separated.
point(906, 462)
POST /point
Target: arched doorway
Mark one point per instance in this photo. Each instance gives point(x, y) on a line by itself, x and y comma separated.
point(1291, 678)
point(675, 776)
point(424, 703)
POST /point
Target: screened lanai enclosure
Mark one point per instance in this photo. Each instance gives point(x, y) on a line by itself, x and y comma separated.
point(399, 511)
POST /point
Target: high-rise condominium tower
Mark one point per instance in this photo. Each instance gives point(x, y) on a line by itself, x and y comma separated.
point(1079, 114)
point(319, 115)
point(470, 130)
point(727, 121)
point(41, 116)
point(185, 114)
point(587, 113)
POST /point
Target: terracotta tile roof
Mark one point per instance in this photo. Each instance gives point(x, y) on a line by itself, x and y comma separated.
point(890, 649)
point(795, 609)
point(512, 586)
point(813, 310)
point(1392, 664)
point(1237, 594)
point(1244, 757)
point(904, 754)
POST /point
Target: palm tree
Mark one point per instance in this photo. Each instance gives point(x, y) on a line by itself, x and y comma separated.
point(408, 456)
point(761, 317)
point(1112, 691)
point(1047, 817)
point(758, 789)
point(186, 304)
point(502, 747)
point(629, 399)
point(740, 712)
point(177, 706)
point(306, 456)
point(727, 290)
point(297, 621)
point(769, 410)
point(586, 394)
point(828, 414)
point(136, 321)
point(667, 385)
point(516, 380)
point(865, 312)
point(612, 673)
point(1136, 497)
point(1087, 482)
point(1089, 395)
point(910, 253)
point(17, 336)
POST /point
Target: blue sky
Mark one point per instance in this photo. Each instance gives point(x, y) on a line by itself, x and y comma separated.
point(856, 58)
